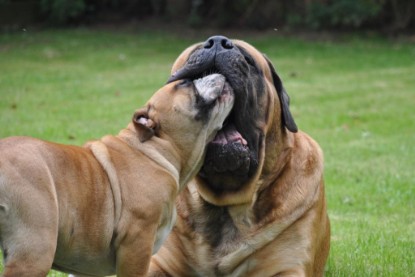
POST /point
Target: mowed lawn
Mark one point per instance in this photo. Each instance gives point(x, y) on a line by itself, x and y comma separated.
point(354, 94)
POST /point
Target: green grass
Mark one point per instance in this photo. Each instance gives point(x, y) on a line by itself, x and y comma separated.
point(354, 95)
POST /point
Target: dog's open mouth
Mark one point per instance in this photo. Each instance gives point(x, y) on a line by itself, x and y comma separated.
point(232, 156)
point(229, 134)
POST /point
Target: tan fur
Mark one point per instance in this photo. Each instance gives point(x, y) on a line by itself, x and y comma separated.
point(106, 207)
point(280, 216)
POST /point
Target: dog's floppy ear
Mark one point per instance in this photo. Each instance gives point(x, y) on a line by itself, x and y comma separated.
point(144, 125)
point(287, 117)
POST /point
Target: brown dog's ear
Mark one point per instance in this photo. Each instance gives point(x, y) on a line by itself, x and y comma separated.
point(144, 125)
point(287, 117)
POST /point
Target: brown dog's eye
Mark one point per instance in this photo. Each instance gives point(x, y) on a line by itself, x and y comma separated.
point(185, 82)
point(250, 61)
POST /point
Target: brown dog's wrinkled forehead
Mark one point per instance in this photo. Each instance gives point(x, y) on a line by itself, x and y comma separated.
point(258, 56)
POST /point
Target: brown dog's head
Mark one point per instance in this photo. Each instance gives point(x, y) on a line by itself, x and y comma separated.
point(259, 118)
point(187, 113)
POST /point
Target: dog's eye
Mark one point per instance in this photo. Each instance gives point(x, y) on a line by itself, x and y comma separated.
point(185, 82)
point(250, 61)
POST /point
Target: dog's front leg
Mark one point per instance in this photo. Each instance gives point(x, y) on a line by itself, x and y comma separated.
point(133, 260)
point(134, 254)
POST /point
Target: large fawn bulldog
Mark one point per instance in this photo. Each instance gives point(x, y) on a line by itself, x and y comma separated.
point(257, 207)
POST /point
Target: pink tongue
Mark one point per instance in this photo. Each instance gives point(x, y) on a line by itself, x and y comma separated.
point(229, 134)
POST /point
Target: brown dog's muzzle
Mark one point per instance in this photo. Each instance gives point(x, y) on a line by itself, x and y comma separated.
point(232, 157)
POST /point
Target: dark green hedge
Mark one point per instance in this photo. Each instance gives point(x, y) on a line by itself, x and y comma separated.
point(313, 14)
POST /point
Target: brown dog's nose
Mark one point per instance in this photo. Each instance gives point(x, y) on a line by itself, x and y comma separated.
point(218, 42)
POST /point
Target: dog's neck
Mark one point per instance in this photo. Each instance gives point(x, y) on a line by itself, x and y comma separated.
point(156, 150)
point(182, 163)
point(192, 152)
point(281, 141)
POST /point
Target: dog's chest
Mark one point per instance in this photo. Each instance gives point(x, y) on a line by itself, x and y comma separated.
point(219, 232)
point(222, 228)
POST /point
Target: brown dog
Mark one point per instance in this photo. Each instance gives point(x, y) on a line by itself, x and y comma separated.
point(257, 207)
point(106, 207)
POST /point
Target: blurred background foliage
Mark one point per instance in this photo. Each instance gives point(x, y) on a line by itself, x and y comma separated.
point(383, 15)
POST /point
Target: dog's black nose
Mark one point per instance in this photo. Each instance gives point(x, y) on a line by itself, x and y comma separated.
point(218, 42)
